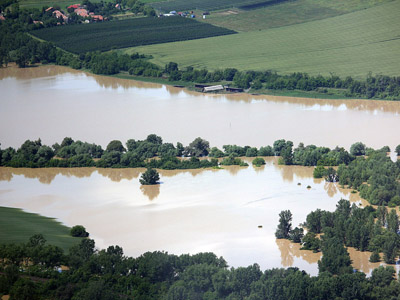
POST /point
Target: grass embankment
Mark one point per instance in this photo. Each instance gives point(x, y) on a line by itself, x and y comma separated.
point(351, 44)
point(17, 226)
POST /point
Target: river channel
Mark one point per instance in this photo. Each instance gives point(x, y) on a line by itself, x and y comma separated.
point(191, 211)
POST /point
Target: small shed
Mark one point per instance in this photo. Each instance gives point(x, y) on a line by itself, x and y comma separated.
point(201, 86)
point(213, 88)
point(234, 90)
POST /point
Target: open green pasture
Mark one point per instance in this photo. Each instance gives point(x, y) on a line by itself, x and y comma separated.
point(286, 13)
point(17, 226)
point(350, 44)
point(105, 36)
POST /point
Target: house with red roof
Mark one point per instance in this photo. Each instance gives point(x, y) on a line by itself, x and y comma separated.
point(82, 12)
point(59, 15)
point(74, 6)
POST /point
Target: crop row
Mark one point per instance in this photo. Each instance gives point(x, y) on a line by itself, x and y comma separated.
point(208, 5)
point(127, 33)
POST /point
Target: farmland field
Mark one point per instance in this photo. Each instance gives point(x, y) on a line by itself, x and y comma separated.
point(286, 13)
point(210, 5)
point(17, 226)
point(62, 3)
point(127, 33)
point(350, 44)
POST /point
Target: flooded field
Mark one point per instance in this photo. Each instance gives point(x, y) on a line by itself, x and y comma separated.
point(53, 102)
point(191, 211)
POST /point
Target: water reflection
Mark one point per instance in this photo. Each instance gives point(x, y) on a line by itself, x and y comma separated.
point(331, 188)
point(291, 250)
point(117, 175)
point(151, 191)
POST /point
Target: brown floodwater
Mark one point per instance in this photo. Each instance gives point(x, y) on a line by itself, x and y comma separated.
point(192, 210)
point(189, 212)
point(52, 102)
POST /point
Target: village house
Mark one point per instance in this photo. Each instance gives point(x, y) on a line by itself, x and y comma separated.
point(82, 12)
point(59, 15)
point(96, 18)
point(74, 6)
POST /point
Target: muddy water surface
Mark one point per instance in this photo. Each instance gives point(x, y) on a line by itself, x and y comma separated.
point(191, 211)
point(52, 102)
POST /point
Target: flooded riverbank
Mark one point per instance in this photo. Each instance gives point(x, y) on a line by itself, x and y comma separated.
point(52, 102)
point(191, 211)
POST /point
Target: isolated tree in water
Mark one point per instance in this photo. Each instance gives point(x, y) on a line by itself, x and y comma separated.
point(285, 225)
point(149, 177)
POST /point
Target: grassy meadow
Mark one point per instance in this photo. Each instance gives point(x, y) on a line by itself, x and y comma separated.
point(350, 44)
point(17, 226)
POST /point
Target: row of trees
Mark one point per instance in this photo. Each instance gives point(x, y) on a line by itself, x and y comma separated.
point(378, 86)
point(135, 153)
point(369, 171)
point(109, 274)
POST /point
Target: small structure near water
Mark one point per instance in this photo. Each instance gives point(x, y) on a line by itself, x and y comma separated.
point(213, 88)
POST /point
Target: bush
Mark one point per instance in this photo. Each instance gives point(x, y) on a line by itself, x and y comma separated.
point(375, 257)
point(79, 231)
point(258, 161)
point(319, 172)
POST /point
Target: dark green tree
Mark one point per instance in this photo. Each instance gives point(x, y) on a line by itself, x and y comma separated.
point(79, 231)
point(393, 221)
point(285, 225)
point(149, 177)
point(197, 148)
point(357, 149)
point(296, 235)
point(115, 145)
point(335, 258)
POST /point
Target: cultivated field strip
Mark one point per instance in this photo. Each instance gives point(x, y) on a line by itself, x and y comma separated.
point(127, 33)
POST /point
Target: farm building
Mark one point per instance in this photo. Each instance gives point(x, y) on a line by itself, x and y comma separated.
point(213, 88)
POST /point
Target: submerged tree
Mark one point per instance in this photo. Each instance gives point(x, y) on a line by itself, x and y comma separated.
point(285, 225)
point(149, 177)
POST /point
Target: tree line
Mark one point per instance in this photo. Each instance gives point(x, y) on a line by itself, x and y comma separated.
point(30, 271)
point(369, 171)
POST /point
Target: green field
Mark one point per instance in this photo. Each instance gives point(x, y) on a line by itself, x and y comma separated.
point(105, 36)
point(287, 13)
point(17, 226)
point(61, 3)
point(350, 44)
point(209, 5)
